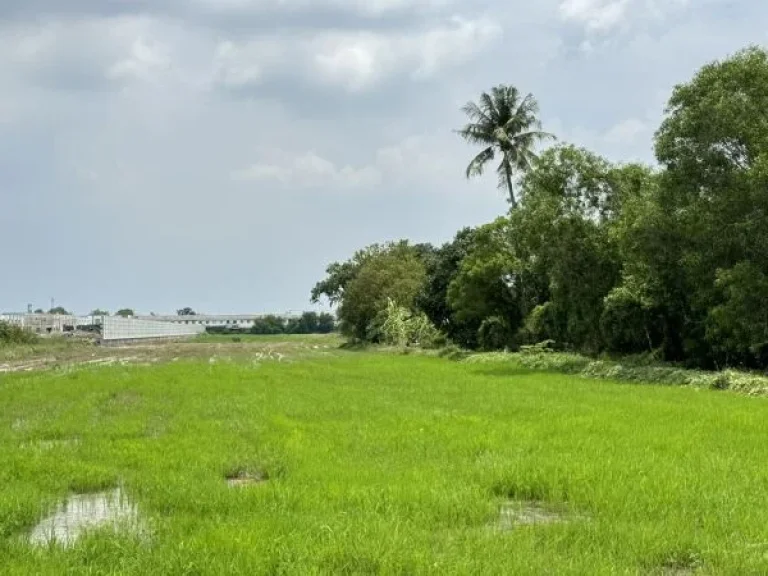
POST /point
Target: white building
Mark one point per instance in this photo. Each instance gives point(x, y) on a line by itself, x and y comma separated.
point(242, 321)
point(44, 323)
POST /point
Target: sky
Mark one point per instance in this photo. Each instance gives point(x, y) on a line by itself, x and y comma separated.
point(219, 154)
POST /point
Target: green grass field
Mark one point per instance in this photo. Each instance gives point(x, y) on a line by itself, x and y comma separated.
point(380, 463)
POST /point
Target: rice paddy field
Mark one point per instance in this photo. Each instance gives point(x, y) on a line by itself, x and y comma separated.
point(320, 461)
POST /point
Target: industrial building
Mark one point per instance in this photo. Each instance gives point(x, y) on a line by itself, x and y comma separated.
point(243, 321)
point(45, 323)
point(151, 325)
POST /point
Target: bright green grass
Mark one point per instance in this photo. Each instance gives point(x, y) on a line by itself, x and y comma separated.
point(328, 339)
point(385, 464)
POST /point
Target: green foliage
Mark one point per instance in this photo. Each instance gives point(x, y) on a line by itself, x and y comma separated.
point(307, 323)
point(340, 274)
point(186, 312)
point(638, 372)
point(11, 334)
point(442, 267)
point(125, 313)
point(99, 312)
point(603, 258)
point(60, 310)
point(506, 125)
point(396, 272)
point(311, 323)
point(494, 334)
point(401, 327)
point(540, 324)
point(487, 283)
point(738, 326)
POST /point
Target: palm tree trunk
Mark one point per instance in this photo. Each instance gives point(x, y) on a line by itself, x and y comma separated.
point(508, 174)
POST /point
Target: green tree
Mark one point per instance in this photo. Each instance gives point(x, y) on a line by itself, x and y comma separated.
point(397, 273)
point(442, 267)
point(59, 310)
point(507, 126)
point(713, 146)
point(326, 323)
point(99, 312)
point(485, 290)
point(125, 313)
point(566, 255)
point(269, 324)
point(340, 274)
point(186, 312)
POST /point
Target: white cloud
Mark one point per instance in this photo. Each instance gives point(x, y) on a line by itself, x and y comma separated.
point(600, 16)
point(627, 131)
point(354, 60)
point(309, 170)
point(87, 51)
point(363, 7)
point(417, 157)
point(144, 59)
point(237, 65)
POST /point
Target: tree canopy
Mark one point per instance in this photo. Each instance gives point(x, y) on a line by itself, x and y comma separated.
point(599, 257)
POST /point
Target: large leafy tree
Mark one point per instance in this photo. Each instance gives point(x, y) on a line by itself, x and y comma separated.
point(362, 286)
point(713, 146)
point(507, 126)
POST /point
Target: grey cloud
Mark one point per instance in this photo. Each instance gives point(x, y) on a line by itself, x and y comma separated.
point(242, 18)
point(142, 156)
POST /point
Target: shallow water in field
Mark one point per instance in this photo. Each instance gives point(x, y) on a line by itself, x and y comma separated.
point(517, 513)
point(84, 512)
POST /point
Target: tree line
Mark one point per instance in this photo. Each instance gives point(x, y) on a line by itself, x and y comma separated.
point(307, 323)
point(668, 260)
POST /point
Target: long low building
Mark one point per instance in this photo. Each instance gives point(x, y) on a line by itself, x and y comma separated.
point(44, 323)
point(217, 320)
point(54, 323)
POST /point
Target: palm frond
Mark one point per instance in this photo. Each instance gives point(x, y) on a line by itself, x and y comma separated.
point(475, 113)
point(475, 134)
point(477, 166)
point(488, 105)
point(534, 135)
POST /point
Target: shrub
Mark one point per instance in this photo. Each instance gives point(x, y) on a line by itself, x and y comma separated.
point(398, 326)
point(540, 324)
point(494, 334)
point(11, 334)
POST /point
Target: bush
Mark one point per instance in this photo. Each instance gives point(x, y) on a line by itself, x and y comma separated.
point(398, 326)
point(452, 352)
point(11, 334)
point(639, 372)
point(540, 324)
point(494, 334)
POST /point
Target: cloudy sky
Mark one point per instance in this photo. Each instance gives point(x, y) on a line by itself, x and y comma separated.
point(219, 153)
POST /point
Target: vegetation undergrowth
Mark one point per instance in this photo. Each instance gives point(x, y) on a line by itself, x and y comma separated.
point(627, 370)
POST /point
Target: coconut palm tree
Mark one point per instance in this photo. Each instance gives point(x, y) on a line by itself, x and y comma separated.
point(506, 125)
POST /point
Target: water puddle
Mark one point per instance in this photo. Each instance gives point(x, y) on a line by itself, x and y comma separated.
point(514, 514)
point(85, 512)
point(245, 479)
